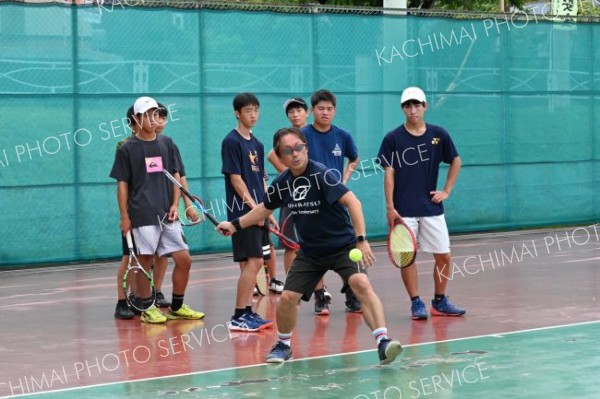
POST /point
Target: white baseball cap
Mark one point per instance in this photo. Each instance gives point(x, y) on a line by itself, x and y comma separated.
point(412, 93)
point(143, 104)
point(294, 101)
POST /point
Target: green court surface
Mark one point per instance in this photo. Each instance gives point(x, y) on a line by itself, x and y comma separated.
point(554, 362)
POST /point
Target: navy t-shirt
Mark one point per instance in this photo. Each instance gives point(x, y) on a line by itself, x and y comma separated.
point(322, 223)
point(140, 164)
point(330, 148)
point(245, 158)
point(416, 163)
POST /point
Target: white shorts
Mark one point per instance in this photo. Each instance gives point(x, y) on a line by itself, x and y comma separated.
point(161, 240)
point(431, 233)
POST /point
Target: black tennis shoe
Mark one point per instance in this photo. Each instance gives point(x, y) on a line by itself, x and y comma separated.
point(123, 311)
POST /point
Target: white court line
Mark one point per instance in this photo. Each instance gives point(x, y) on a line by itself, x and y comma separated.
point(494, 335)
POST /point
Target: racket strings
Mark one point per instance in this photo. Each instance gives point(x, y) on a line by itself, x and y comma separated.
point(139, 290)
point(288, 243)
point(402, 247)
point(133, 283)
point(262, 281)
point(403, 258)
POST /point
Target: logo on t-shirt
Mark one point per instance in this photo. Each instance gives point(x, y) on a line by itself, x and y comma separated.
point(300, 193)
point(253, 156)
point(435, 140)
point(154, 164)
point(337, 151)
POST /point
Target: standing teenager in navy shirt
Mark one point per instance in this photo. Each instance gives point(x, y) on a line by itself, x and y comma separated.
point(411, 155)
point(331, 146)
point(243, 157)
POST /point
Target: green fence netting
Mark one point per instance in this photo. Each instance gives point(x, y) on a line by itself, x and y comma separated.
point(518, 95)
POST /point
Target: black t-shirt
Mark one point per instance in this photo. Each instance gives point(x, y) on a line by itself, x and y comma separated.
point(245, 158)
point(140, 164)
point(179, 162)
point(323, 224)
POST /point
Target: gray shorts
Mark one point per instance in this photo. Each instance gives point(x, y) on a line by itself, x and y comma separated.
point(162, 240)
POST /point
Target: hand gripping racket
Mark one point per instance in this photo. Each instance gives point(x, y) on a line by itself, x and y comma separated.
point(194, 200)
point(401, 244)
point(138, 285)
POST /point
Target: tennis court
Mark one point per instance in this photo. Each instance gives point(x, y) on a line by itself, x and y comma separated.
point(531, 331)
point(518, 94)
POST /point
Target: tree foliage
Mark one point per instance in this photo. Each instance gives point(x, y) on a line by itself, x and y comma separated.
point(466, 5)
point(586, 7)
point(469, 5)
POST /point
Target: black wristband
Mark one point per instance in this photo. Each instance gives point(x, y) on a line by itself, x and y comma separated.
point(236, 223)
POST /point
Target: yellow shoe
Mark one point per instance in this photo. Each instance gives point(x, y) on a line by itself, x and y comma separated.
point(185, 312)
point(153, 316)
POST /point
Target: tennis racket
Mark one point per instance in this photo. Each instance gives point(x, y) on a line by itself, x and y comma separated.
point(182, 210)
point(138, 285)
point(262, 281)
point(401, 244)
point(285, 240)
point(194, 200)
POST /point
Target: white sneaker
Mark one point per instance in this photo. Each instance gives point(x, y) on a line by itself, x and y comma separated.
point(276, 286)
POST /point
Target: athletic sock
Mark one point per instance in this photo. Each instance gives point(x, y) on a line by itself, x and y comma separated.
point(379, 334)
point(285, 339)
point(414, 298)
point(147, 302)
point(239, 312)
point(438, 297)
point(177, 302)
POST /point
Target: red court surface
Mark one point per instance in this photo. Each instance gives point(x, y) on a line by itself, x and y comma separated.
point(58, 329)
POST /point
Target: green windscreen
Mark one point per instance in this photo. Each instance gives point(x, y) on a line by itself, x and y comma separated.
point(518, 96)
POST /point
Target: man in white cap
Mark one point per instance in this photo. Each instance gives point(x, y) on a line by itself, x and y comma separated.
point(411, 155)
point(148, 204)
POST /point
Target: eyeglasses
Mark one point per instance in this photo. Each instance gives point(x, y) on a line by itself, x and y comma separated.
point(298, 148)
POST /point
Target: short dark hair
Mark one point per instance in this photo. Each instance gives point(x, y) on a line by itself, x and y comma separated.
point(322, 95)
point(283, 132)
point(411, 102)
point(129, 116)
point(162, 110)
point(244, 99)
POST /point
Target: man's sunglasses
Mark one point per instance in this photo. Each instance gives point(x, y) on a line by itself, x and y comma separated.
point(298, 148)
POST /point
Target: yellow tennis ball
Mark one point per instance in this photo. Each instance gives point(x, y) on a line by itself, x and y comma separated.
point(355, 255)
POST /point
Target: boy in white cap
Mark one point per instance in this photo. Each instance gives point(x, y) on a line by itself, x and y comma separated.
point(148, 204)
point(411, 155)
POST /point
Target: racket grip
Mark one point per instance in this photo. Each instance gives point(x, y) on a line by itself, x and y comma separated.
point(129, 240)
